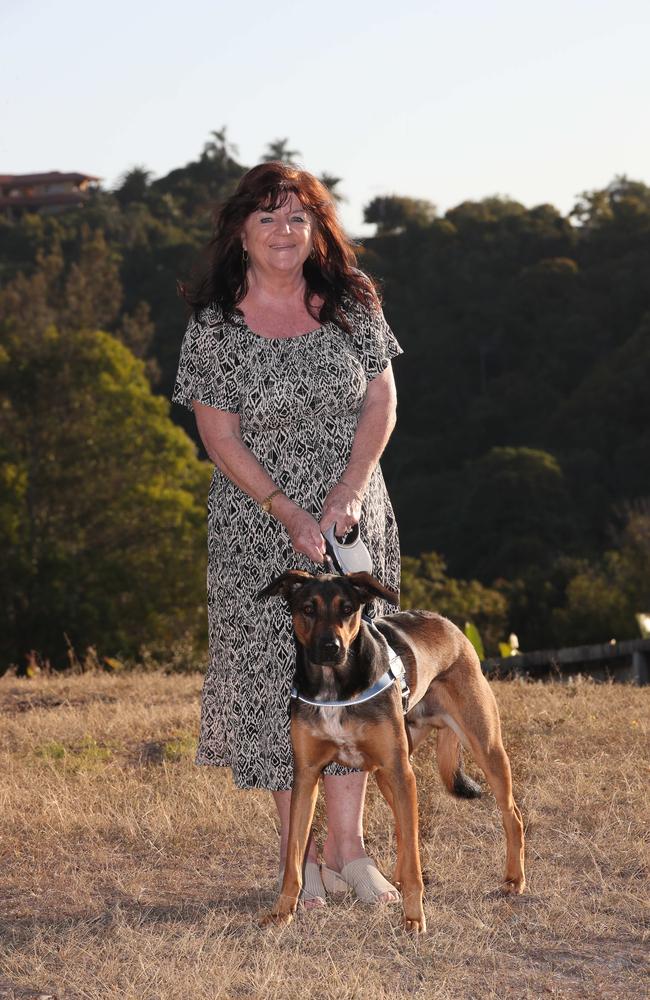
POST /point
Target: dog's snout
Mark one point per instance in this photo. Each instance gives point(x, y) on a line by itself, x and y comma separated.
point(328, 647)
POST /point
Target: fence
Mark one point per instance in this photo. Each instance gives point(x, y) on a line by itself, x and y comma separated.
point(627, 662)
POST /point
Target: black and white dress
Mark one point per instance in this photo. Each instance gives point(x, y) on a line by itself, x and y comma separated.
point(299, 401)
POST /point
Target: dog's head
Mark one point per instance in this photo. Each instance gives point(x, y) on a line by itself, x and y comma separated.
point(326, 609)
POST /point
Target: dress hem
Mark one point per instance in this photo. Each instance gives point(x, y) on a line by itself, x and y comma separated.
point(274, 787)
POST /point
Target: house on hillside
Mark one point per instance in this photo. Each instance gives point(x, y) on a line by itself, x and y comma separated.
point(51, 192)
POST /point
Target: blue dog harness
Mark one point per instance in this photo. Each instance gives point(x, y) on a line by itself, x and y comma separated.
point(395, 672)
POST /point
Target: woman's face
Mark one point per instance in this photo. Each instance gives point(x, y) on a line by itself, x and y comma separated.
point(279, 240)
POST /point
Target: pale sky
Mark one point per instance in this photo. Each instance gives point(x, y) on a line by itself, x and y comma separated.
point(446, 100)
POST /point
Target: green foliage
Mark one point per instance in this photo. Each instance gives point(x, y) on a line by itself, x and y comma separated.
point(195, 189)
point(101, 497)
point(331, 183)
point(395, 213)
point(134, 186)
point(523, 403)
point(513, 510)
point(603, 599)
point(181, 745)
point(474, 637)
point(426, 585)
point(279, 149)
point(87, 755)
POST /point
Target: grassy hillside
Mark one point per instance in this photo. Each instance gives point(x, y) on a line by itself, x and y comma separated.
point(129, 873)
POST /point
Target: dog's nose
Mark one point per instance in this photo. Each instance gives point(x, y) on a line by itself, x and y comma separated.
point(331, 645)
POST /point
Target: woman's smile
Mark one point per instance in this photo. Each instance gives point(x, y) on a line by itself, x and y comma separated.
point(282, 234)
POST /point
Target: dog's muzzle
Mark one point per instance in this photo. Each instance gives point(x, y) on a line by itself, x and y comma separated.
point(328, 650)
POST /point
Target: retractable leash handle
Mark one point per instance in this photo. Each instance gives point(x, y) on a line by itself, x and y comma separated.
point(335, 553)
point(350, 558)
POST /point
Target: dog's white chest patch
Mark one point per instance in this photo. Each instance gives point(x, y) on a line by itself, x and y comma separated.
point(331, 727)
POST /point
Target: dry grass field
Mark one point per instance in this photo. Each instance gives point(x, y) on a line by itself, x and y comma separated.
point(127, 872)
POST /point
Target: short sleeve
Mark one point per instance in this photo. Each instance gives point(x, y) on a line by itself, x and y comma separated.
point(374, 340)
point(208, 369)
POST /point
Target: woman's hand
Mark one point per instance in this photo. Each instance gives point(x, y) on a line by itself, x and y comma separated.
point(305, 534)
point(342, 508)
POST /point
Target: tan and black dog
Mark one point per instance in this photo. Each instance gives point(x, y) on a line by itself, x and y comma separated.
point(340, 656)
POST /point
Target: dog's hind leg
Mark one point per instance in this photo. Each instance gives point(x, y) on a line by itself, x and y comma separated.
point(467, 701)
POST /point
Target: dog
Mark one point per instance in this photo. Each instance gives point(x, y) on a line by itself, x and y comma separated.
point(341, 657)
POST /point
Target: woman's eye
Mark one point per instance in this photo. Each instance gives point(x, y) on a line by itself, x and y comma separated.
point(298, 218)
point(266, 218)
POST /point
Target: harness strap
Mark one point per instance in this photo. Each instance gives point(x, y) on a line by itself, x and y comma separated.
point(395, 672)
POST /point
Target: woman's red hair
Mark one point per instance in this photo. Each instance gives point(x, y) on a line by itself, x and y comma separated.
point(330, 274)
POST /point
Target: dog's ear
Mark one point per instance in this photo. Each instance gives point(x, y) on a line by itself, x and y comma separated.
point(367, 587)
point(286, 584)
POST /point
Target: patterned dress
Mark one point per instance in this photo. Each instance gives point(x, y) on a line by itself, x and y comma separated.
point(299, 401)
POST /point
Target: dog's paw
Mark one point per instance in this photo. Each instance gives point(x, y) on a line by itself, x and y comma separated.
point(514, 886)
point(415, 925)
point(269, 918)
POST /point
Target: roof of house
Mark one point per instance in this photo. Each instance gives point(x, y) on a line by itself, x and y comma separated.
point(41, 200)
point(48, 178)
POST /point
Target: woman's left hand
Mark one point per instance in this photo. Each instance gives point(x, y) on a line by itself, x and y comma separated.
point(342, 508)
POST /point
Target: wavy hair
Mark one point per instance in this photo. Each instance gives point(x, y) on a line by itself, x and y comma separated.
point(330, 274)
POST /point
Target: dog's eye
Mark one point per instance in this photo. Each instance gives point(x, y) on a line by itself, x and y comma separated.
point(308, 610)
point(348, 610)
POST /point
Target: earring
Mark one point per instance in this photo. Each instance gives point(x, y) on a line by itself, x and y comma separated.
point(312, 253)
point(244, 257)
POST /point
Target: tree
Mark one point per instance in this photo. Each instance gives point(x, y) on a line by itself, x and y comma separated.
point(603, 597)
point(331, 183)
point(279, 150)
point(513, 510)
point(220, 148)
point(101, 501)
point(134, 186)
point(199, 186)
point(93, 291)
point(623, 205)
point(426, 585)
point(490, 209)
point(394, 213)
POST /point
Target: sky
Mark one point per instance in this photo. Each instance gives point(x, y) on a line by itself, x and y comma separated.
point(446, 100)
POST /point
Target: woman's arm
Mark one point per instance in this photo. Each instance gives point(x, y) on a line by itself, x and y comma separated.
point(375, 426)
point(220, 433)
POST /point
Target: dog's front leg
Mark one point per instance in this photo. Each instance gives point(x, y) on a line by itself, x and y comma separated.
point(399, 778)
point(303, 804)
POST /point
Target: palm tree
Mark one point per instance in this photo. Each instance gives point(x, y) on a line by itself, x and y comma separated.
point(133, 185)
point(279, 150)
point(331, 183)
point(220, 147)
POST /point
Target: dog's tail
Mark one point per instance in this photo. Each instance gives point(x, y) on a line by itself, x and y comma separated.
point(450, 765)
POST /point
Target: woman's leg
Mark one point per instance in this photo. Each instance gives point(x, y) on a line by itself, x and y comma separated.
point(344, 798)
point(345, 795)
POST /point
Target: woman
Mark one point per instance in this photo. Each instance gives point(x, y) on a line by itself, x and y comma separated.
point(286, 364)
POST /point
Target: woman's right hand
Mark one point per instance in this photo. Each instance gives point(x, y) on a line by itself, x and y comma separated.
point(305, 534)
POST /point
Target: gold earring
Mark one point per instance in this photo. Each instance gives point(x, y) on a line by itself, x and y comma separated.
point(312, 253)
